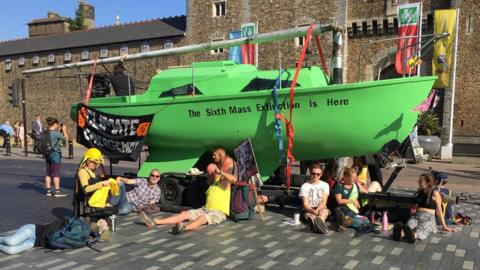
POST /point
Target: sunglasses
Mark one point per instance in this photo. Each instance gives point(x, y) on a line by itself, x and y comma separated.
point(155, 175)
point(315, 174)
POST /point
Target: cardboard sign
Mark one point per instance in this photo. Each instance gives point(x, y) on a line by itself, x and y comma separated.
point(246, 162)
point(117, 137)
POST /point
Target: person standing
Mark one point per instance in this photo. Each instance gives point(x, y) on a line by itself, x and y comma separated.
point(6, 130)
point(37, 129)
point(122, 83)
point(54, 157)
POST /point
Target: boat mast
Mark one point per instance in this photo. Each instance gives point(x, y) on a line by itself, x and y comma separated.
point(256, 39)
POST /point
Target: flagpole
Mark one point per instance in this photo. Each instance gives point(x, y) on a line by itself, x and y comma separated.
point(420, 38)
point(454, 76)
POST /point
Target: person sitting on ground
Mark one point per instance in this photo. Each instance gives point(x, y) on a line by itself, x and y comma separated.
point(448, 199)
point(362, 177)
point(6, 130)
point(217, 206)
point(36, 235)
point(89, 182)
point(347, 210)
point(314, 195)
point(143, 197)
point(423, 223)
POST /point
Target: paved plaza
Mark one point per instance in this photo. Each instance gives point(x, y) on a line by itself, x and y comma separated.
point(272, 244)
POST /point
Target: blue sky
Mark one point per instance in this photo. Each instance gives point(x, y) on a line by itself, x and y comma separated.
point(16, 14)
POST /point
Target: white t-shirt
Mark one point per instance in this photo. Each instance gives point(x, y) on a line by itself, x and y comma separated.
point(314, 192)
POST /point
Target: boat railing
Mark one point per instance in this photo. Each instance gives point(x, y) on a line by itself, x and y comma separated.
point(423, 46)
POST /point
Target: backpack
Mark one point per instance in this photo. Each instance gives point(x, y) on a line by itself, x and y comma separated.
point(242, 199)
point(75, 234)
point(44, 144)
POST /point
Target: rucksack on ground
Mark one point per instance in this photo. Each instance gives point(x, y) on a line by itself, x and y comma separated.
point(242, 202)
point(75, 234)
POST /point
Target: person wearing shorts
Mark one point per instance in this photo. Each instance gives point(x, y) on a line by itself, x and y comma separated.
point(217, 206)
point(53, 159)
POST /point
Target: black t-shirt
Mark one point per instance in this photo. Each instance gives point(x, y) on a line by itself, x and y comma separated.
point(43, 231)
point(121, 83)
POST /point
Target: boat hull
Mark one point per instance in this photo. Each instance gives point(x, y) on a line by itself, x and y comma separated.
point(332, 121)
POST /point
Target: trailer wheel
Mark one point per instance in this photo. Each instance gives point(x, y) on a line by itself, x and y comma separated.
point(171, 191)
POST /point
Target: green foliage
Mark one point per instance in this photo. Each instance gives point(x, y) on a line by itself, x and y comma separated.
point(78, 23)
point(428, 124)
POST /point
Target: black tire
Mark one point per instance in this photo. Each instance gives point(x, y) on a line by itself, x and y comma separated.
point(171, 191)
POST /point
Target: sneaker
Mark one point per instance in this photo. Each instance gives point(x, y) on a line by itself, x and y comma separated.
point(311, 224)
point(178, 228)
point(320, 226)
point(409, 235)
point(58, 193)
point(397, 231)
point(48, 193)
point(149, 222)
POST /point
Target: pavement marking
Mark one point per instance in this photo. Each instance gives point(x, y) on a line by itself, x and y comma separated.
point(140, 251)
point(168, 257)
point(287, 231)
point(295, 236)
point(78, 250)
point(111, 247)
point(145, 239)
point(378, 248)
point(468, 265)
point(49, 262)
point(83, 267)
point(216, 261)
point(189, 245)
point(246, 252)
point(474, 234)
point(171, 244)
point(351, 264)
point(251, 235)
point(233, 264)
point(267, 217)
point(110, 254)
point(310, 239)
point(378, 260)
point(352, 252)
point(213, 232)
point(325, 242)
point(297, 261)
point(249, 228)
point(238, 225)
point(9, 257)
point(396, 251)
point(376, 239)
point(132, 217)
point(321, 252)
point(266, 236)
point(152, 268)
point(355, 242)
point(435, 240)
point(183, 265)
point(126, 223)
point(459, 229)
point(282, 225)
point(226, 233)
point(394, 268)
point(420, 247)
point(63, 266)
point(437, 256)
point(13, 266)
point(158, 241)
point(267, 265)
point(228, 241)
point(276, 253)
point(200, 253)
point(270, 223)
point(148, 232)
point(460, 253)
point(153, 254)
point(230, 249)
point(271, 244)
point(451, 248)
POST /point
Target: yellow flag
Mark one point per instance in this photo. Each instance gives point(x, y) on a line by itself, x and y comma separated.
point(443, 49)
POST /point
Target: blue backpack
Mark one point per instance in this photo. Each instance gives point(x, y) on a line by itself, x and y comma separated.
point(75, 234)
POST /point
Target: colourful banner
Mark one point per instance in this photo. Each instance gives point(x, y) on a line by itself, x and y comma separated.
point(117, 137)
point(235, 52)
point(408, 25)
point(443, 49)
point(248, 50)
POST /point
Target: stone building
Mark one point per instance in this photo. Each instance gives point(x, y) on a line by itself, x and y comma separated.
point(213, 20)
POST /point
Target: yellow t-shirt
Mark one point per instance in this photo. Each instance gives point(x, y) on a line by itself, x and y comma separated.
point(218, 197)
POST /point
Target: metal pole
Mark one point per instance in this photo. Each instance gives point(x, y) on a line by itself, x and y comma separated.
point(420, 38)
point(7, 145)
point(24, 113)
point(256, 39)
point(70, 149)
point(337, 57)
point(453, 80)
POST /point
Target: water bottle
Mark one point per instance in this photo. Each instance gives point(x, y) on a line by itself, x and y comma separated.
point(112, 223)
point(385, 221)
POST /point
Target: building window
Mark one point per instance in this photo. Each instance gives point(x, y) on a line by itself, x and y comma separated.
point(145, 47)
point(103, 52)
point(168, 44)
point(36, 59)
point(8, 64)
point(85, 54)
point(21, 61)
point(469, 24)
point(124, 49)
point(394, 2)
point(67, 57)
point(219, 9)
point(218, 50)
point(51, 58)
point(299, 41)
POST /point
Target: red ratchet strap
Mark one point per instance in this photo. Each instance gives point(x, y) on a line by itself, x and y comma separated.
point(90, 84)
point(320, 52)
point(289, 123)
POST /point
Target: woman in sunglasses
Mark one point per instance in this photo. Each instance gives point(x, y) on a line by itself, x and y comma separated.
point(143, 197)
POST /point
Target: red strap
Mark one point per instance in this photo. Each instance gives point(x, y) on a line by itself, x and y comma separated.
point(289, 123)
point(320, 52)
point(245, 58)
point(90, 84)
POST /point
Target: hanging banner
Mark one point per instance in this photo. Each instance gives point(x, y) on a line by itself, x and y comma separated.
point(117, 137)
point(408, 25)
point(235, 52)
point(443, 49)
point(249, 50)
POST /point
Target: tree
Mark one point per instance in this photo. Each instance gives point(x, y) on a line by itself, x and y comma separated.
point(78, 23)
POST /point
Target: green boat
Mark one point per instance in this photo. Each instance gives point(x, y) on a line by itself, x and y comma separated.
point(233, 102)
